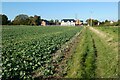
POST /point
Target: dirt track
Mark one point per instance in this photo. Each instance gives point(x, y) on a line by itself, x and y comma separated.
point(106, 37)
point(106, 56)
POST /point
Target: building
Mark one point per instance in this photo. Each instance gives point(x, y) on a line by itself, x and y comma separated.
point(44, 23)
point(98, 23)
point(111, 22)
point(78, 22)
point(71, 22)
point(68, 22)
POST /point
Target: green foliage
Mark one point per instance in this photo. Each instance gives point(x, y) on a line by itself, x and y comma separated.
point(118, 22)
point(92, 22)
point(108, 23)
point(36, 20)
point(26, 49)
point(57, 22)
point(3, 19)
point(51, 22)
point(21, 19)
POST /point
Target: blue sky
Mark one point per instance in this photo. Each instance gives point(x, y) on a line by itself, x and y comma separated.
point(60, 10)
point(60, 0)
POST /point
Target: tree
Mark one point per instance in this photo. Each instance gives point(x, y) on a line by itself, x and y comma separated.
point(107, 21)
point(56, 22)
point(119, 22)
point(36, 20)
point(92, 22)
point(102, 23)
point(3, 19)
point(110, 23)
point(21, 19)
point(95, 22)
point(88, 21)
point(9, 22)
point(51, 22)
point(31, 22)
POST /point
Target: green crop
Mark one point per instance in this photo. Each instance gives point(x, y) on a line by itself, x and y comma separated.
point(28, 48)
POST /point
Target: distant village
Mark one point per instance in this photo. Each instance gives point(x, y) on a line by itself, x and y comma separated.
point(65, 22)
point(23, 19)
point(78, 22)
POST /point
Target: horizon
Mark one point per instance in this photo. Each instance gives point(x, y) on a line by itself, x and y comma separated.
point(63, 10)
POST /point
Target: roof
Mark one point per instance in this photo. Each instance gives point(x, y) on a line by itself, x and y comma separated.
point(45, 21)
point(65, 20)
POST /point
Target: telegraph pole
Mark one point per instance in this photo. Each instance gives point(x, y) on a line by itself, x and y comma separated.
point(76, 16)
point(91, 18)
point(91, 21)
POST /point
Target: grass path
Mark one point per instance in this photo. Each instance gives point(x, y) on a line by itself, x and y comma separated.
point(107, 38)
point(82, 63)
point(74, 63)
point(107, 60)
point(93, 57)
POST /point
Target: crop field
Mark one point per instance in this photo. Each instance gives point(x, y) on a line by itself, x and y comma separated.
point(27, 48)
point(79, 52)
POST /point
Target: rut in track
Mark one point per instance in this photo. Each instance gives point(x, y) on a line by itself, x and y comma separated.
point(83, 62)
point(92, 57)
point(107, 38)
point(89, 58)
point(107, 56)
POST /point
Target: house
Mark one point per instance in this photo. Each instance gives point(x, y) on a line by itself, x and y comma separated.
point(68, 22)
point(98, 23)
point(71, 22)
point(78, 22)
point(111, 22)
point(44, 23)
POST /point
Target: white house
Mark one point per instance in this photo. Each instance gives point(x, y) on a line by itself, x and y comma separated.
point(67, 22)
point(111, 22)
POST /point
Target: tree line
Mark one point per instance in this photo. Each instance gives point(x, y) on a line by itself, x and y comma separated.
point(95, 22)
point(23, 19)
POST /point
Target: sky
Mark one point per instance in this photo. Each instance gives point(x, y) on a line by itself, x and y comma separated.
point(60, 0)
point(63, 10)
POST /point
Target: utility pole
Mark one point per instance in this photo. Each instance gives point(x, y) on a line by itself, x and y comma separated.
point(76, 19)
point(91, 18)
point(76, 16)
point(91, 21)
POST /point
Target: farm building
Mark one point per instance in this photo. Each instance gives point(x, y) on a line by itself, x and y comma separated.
point(70, 22)
point(44, 23)
point(67, 22)
point(78, 22)
point(111, 22)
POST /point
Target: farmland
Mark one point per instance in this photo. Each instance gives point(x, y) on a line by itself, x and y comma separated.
point(29, 50)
